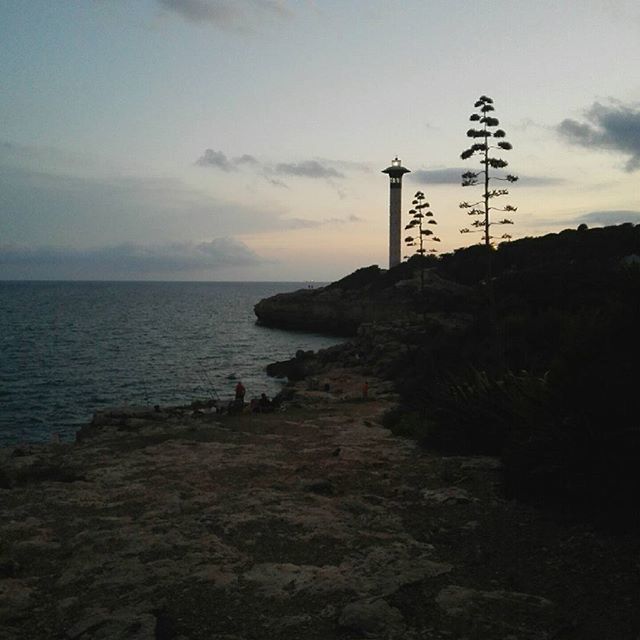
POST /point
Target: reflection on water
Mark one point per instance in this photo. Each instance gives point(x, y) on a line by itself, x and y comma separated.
point(69, 348)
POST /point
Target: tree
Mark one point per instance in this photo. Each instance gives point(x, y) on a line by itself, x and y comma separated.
point(417, 222)
point(484, 107)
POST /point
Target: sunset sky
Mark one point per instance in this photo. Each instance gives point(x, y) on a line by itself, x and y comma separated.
point(244, 139)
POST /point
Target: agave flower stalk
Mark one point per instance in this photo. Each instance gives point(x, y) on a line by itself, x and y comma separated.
point(490, 132)
point(421, 215)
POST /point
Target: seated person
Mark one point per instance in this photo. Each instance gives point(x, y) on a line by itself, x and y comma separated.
point(264, 403)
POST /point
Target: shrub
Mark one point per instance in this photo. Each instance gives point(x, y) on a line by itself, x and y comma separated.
point(475, 413)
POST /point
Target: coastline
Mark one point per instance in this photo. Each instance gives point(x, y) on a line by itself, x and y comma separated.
point(311, 522)
point(69, 348)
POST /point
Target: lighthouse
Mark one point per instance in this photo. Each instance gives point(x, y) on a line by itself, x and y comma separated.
point(395, 171)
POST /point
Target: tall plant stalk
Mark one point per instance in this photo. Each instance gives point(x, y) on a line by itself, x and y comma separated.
point(417, 222)
point(484, 148)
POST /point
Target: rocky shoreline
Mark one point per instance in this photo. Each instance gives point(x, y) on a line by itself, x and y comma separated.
point(369, 296)
point(310, 522)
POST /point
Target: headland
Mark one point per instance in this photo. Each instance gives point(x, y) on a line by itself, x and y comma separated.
point(315, 521)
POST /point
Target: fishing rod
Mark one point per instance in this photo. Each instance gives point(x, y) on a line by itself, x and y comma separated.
point(206, 377)
point(203, 383)
point(147, 397)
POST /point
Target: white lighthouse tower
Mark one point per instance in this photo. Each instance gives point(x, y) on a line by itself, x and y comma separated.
point(395, 171)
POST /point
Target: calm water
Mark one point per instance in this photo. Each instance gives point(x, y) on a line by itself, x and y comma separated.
point(69, 348)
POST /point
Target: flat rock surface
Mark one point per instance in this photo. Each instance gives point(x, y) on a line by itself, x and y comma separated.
point(313, 522)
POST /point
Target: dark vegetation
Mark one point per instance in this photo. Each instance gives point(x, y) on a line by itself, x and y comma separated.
point(546, 375)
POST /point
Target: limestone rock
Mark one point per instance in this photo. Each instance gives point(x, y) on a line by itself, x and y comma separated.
point(15, 599)
point(299, 367)
point(381, 572)
point(321, 486)
point(124, 624)
point(481, 463)
point(447, 495)
point(372, 617)
point(88, 624)
point(499, 612)
point(369, 295)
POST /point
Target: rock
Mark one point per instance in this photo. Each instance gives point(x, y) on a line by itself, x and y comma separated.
point(123, 624)
point(381, 572)
point(174, 505)
point(447, 495)
point(8, 568)
point(481, 463)
point(499, 612)
point(321, 486)
point(369, 295)
point(455, 600)
point(299, 620)
point(334, 309)
point(8, 633)
point(5, 480)
point(95, 619)
point(37, 545)
point(375, 616)
point(122, 418)
point(328, 612)
point(15, 599)
point(48, 471)
point(294, 369)
point(67, 603)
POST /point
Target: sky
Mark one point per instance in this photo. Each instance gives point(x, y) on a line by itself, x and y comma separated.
point(245, 139)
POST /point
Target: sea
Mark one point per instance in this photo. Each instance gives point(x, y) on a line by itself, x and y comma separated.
point(68, 349)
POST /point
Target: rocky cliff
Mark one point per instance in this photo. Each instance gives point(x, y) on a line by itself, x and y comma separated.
point(369, 295)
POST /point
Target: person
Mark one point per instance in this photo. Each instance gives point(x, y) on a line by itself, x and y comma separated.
point(240, 391)
point(365, 390)
point(264, 403)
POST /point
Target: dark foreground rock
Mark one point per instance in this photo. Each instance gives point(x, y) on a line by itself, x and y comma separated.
point(313, 522)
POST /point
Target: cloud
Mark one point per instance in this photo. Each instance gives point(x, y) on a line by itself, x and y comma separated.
point(598, 218)
point(218, 160)
point(303, 223)
point(452, 175)
point(437, 176)
point(201, 11)
point(215, 159)
point(246, 159)
point(276, 183)
point(349, 165)
point(125, 260)
point(41, 208)
point(315, 169)
point(349, 219)
point(539, 181)
point(307, 169)
point(614, 127)
point(225, 13)
point(609, 217)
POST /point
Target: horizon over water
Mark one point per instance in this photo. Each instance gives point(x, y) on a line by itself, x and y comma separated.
point(71, 347)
